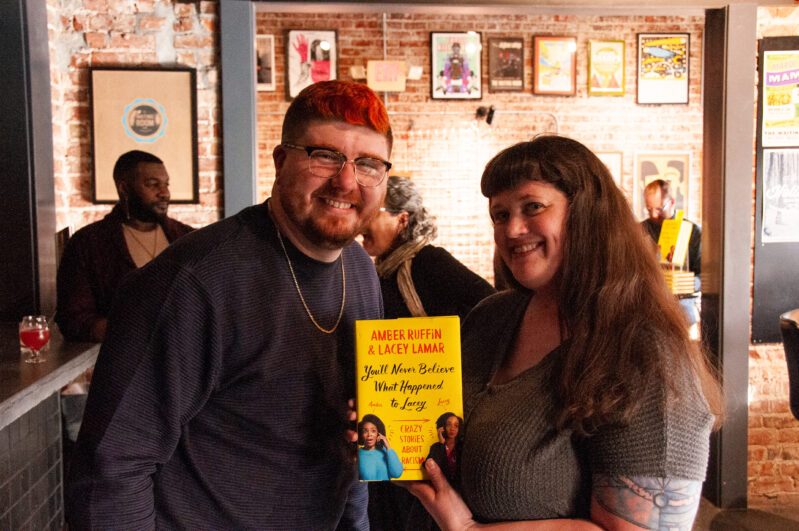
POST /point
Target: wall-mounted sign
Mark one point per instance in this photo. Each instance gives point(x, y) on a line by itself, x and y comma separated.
point(386, 76)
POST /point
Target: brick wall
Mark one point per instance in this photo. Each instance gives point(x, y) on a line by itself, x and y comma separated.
point(441, 145)
point(773, 431)
point(30, 469)
point(156, 33)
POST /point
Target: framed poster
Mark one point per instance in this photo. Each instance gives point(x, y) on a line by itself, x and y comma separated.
point(606, 68)
point(554, 65)
point(663, 67)
point(780, 196)
point(673, 167)
point(780, 95)
point(455, 65)
point(264, 62)
point(152, 110)
point(506, 64)
point(311, 56)
point(613, 161)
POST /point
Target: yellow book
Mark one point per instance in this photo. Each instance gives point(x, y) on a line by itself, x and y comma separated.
point(408, 380)
point(675, 234)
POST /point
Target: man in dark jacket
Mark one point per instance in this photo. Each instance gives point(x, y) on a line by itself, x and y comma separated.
point(100, 255)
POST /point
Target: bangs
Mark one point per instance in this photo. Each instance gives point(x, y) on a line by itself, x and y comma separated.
point(511, 167)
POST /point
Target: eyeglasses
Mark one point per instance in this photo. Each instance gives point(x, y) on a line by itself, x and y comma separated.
point(327, 163)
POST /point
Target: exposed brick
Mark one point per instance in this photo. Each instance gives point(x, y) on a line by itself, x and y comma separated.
point(151, 22)
point(96, 39)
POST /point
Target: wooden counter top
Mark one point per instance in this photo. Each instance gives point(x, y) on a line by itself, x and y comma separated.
point(24, 385)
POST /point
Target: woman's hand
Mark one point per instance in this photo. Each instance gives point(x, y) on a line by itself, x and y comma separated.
point(441, 438)
point(381, 437)
point(442, 501)
point(352, 416)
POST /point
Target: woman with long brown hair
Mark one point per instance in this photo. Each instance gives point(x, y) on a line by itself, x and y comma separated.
point(586, 399)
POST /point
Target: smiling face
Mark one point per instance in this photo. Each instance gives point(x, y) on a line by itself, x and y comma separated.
point(369, 435)
point(529, 230)
point(321, 215)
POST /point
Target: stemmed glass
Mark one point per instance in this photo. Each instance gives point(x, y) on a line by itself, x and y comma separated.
point(34, 333)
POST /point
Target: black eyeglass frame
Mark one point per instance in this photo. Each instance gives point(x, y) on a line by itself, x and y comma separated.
point(344, 160)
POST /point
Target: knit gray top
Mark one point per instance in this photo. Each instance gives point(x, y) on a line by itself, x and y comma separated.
point(517, 466)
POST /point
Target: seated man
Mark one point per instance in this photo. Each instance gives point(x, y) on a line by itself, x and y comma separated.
point(98, 256)
point(661, 206)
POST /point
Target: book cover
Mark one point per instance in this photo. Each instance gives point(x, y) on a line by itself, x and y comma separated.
point(408, 394)
point(675, 235)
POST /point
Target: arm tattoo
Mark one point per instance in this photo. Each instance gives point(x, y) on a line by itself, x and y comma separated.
point(650, 503)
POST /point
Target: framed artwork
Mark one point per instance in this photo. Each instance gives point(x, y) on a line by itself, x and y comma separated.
point(506, 64)
point(613, 161)
point(780, 198)
point(311, 56)
point(555, 65)
point(152, 110)
point(674, 167)
point(663, 67)
point(780, 98)
point(455, 66)
point(606, 68)
point(264, 62)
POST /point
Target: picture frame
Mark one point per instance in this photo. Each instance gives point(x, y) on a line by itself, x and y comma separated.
point(671, 166)
point(456, 69)
point(555, 65)
point(613, 161)
point(506, 64)
point(779, 96)
point(147, 109)
point(780, 213)
point(265, 63)
point(606, 60)
point(311, 56)
point(663, 68)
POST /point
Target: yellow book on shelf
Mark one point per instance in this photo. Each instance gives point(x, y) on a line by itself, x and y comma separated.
point(675, 235)
point(408, 380)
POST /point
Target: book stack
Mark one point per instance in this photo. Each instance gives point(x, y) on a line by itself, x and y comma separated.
point(679, 282)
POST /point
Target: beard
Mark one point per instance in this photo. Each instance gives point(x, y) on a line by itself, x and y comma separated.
point(326, 233)
point(138, 209)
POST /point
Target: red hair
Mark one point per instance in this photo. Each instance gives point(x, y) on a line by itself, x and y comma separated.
point(345, 101)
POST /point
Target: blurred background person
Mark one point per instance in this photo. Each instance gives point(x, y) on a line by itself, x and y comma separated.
point(99, 256)
point(416, 277)
point(660, 206)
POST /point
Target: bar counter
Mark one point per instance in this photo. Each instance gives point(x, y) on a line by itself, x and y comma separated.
point(31, 451)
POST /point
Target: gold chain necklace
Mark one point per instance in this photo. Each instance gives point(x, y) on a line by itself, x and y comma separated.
point(146, 250)
point(302, 299)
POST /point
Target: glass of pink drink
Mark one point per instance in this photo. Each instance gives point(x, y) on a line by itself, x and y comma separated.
point(34, 333)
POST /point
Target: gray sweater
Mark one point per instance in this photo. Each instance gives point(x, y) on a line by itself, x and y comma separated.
point(517, 466)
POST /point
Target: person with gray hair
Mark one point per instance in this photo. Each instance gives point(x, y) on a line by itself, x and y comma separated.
point(416, 279)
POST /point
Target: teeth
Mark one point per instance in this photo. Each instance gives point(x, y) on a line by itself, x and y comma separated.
point(337, 204)
point(526, 248)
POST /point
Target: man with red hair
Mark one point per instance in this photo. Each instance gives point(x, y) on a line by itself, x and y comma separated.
point(219, 399)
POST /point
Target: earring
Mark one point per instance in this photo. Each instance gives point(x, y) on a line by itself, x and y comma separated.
point(127, 209)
